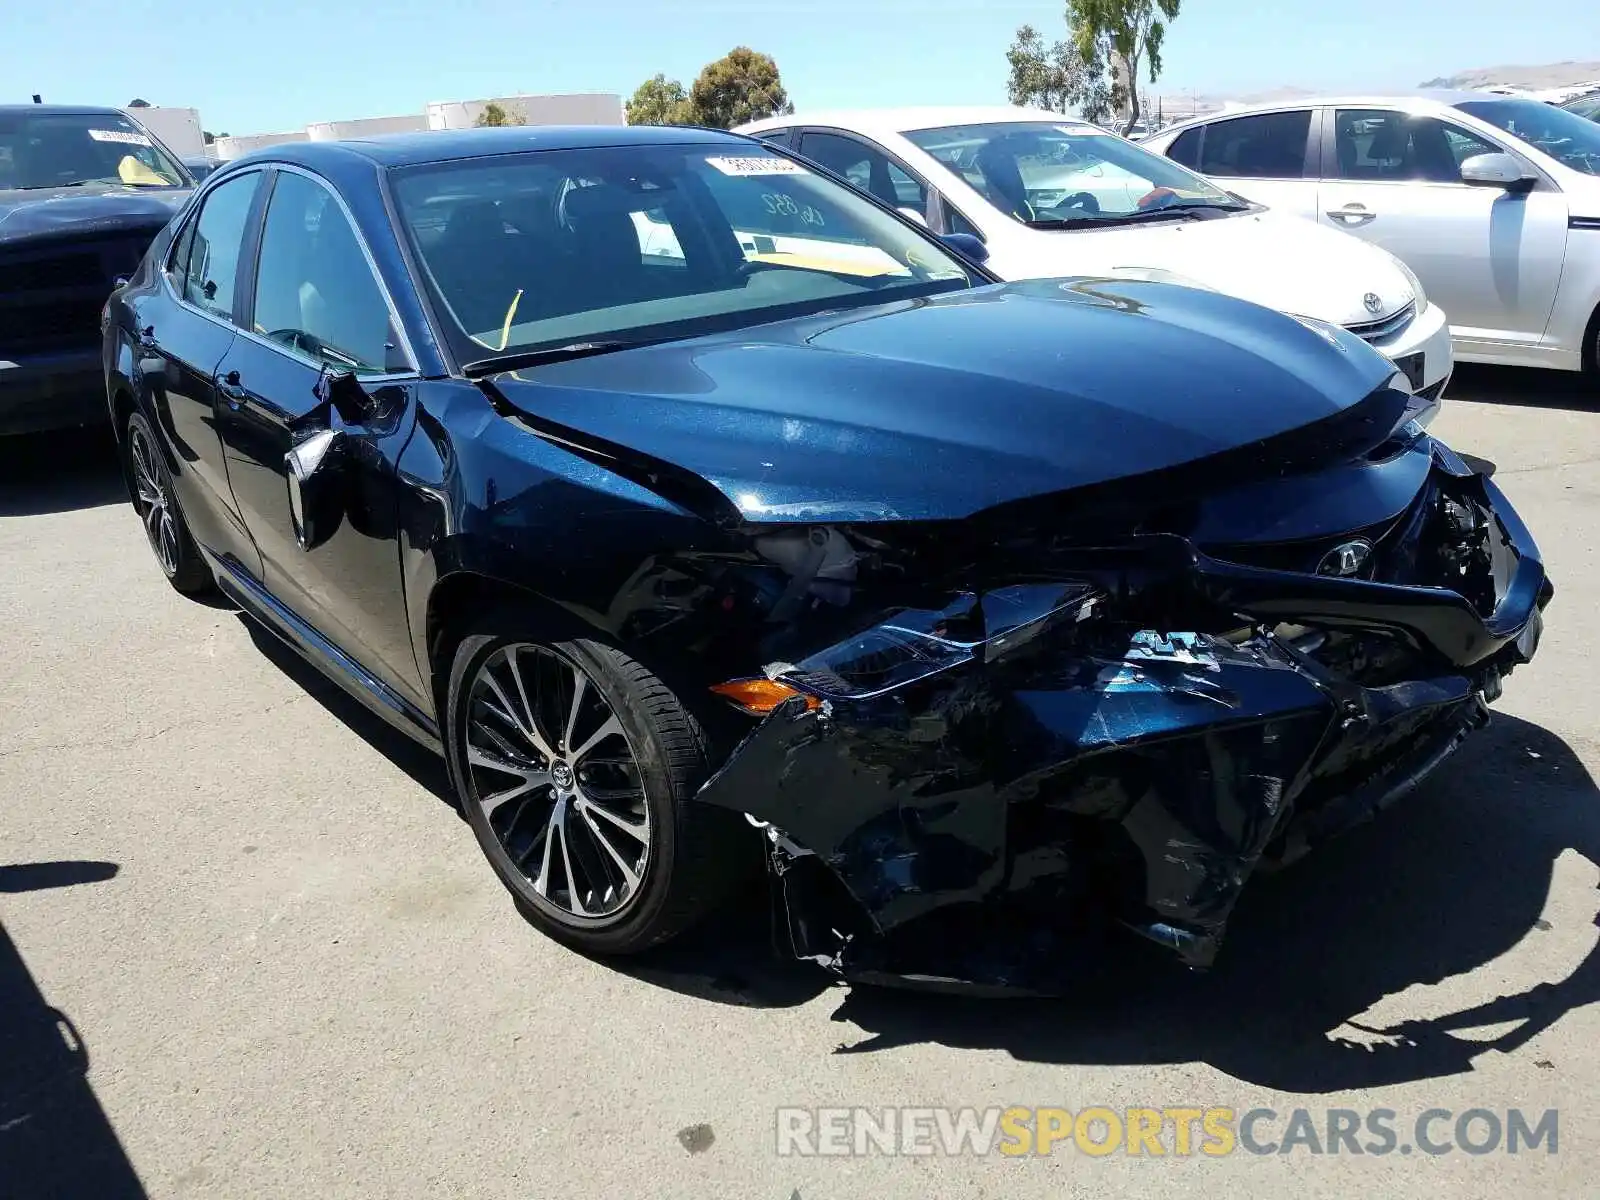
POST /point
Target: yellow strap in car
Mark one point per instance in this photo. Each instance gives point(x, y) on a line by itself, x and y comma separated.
point(131, 170)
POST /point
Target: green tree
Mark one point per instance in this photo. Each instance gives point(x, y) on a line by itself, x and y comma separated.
point(1057, 77)
point(660, 101)
point(138, 103)
point(741, 86)
point(496, 116)
point(1126, 31)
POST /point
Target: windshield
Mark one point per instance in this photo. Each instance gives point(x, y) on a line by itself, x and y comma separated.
point(1043, 174)
point(49, 150)
point(635, 243)
point(1564, 136)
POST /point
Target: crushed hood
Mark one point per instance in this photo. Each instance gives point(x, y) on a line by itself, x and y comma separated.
point(942, 407)
point(1283, 262)
point(90, 209)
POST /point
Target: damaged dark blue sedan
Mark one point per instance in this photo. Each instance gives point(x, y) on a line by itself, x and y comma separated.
point(706, 514)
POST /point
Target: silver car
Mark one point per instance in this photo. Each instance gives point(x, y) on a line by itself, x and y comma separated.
point(1494, 202)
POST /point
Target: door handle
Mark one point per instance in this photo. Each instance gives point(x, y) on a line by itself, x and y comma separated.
point(1353, 214)
point(232, 390)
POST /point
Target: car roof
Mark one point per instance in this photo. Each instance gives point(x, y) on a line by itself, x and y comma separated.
point(900, 120)
point(1416, 99)
point(443, 145)
point(61, 110)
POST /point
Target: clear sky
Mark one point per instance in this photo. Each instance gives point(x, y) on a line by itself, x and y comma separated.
point(256, 66)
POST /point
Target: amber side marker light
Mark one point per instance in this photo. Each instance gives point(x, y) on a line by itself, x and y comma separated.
point(758, 697)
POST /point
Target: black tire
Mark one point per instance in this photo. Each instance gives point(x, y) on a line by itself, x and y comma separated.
point(695, 854)
point(150, 486)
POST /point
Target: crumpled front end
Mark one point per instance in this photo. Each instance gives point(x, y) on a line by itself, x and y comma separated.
point(1094, 737)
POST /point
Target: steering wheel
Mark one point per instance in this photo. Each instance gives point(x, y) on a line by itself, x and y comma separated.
point(1084, 201)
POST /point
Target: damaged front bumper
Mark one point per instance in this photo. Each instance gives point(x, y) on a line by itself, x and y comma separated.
point(980, 825)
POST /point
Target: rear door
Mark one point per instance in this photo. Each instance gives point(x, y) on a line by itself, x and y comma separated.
point(1490, 258)
point(323, 351)
point(1265, 157)
point(186, 327)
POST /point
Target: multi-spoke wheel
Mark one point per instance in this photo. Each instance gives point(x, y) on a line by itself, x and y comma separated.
point(576, 768)
point(150, 484)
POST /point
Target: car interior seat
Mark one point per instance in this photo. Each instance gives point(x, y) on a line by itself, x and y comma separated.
point(605, 257)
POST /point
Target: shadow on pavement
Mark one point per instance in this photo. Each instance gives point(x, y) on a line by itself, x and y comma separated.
point(421, 764)
point(1438, 887)
point(55, 1140)
point(1522, 386)
point(59, 472)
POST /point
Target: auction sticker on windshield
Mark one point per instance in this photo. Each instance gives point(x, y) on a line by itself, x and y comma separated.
point(119, 135)
point(757, 166)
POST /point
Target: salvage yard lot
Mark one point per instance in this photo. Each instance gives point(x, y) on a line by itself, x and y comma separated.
point(292, 974)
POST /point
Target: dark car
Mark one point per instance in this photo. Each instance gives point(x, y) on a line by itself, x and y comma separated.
point(988, 616)
point(1586, 105)
point(199, 166)
point(83, 191)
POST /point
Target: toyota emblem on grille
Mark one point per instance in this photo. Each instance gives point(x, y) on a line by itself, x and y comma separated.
point(1346, 559)
point(1374, 303)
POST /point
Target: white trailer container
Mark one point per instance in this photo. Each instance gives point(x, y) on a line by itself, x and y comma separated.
point(178, 129)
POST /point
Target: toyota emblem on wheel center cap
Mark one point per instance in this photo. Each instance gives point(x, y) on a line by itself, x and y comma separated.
point(1346, 559)
point(561, 774)
point(1373, 302)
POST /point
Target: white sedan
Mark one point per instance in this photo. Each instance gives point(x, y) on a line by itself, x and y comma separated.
point(1053, 197)
point(1494, 201)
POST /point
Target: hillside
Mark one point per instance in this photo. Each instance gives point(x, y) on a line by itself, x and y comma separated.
point(1551, 75)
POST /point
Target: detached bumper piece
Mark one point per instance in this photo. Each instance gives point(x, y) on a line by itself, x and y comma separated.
point(984, 825)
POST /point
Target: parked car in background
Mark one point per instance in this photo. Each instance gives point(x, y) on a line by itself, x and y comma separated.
point(82, 193)
point(199, 166)
point(1586, 106)
point(1052, 197)
point(1494, 202)
point(985, 614)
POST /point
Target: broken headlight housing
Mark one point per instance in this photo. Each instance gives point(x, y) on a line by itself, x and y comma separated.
point(913, 644)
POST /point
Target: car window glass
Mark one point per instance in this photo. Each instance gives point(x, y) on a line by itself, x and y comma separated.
point(867, 167)
point(1186, 149)
point(1564, 136)
point(1045, 173)
point(178, 263)
point(213, 261)
point(606, 242)
point(315, 290)
point(954, 222)
point(1382, 144)
point(777, 137)
point(1464, 145)
point(1265, 146)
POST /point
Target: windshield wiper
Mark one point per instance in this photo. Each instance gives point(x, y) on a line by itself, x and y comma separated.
point(550, 354)
point(1167, 213)
point(41, 187)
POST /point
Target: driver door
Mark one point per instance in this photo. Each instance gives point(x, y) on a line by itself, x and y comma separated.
point(321, 353)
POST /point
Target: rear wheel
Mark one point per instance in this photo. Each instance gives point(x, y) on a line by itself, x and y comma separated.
point(577, 767)
point(153, 499)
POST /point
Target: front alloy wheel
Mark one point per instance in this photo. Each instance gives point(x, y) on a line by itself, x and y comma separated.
point(554, 778)
point(577, 769)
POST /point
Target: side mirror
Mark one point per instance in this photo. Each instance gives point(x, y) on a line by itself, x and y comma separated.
point(970, 248)
point(344, 392)
point(1496, 170)
point(316, 487)
point(905, 210)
